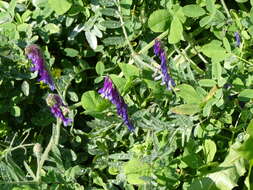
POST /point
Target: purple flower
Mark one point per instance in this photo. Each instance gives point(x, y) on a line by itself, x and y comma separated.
point(57, 108)
point(166, 78)
point(34, 54)
point(157, 47)
point(237, 39)
point(110, 92)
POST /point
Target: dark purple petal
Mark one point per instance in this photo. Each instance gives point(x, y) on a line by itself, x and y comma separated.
point(110, 92)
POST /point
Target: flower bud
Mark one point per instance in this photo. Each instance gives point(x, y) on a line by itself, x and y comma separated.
point(37, 149)
point(51, 100)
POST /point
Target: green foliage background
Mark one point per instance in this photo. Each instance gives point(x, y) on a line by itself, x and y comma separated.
point(197, 136)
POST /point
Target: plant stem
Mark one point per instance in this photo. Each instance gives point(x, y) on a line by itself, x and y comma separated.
point(151, 44)
point(57, 131)
point(76, 105)
point(133, 53)
point(20, 146)
point(192, 63)
point(225, 8)
point(243, 59)
point(53, 141)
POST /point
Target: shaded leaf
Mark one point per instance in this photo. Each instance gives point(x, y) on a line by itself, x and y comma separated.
point(186, 109)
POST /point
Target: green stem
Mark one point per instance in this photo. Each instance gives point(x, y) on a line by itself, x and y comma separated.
point(57, 131)
point(192, 63)
point(19, 182)
point(226, 9)
point(76, 105)
point(53, 141)
point(243, 59)
point(151, 44)
point(133, 53)
point(20, 146)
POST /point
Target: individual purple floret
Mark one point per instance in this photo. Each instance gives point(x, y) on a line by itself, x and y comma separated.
point(237, 39)
point(34, 54)
point(57, 108)
point(166, 78)
point(110, 92)
point(157, 48)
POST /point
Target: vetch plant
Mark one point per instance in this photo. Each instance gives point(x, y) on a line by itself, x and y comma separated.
point(166, 78)
point(111, 93)
point(54, 101)
point(34, 53)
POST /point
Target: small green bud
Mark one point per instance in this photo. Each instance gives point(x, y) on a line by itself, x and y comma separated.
point(51, 100)
point(37, 149)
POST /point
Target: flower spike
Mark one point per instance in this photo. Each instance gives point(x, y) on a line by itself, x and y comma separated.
point(110, 92)
point(33, 53)
point(166, 78)
point(57, 108)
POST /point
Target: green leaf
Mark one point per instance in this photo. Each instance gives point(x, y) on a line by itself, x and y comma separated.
point(189, 94)
point(111, 24)
point(116, 40)
point(39, 3)
point(129, 70)
point(207, 82)
point(73, 96)
point(107, 3)
point(216, 70)
point(126, 6)
point(193, 10)
point(176, 31)
point(241, 1)
point(246, 149)
point(60, 6)
point(227, 175)
point(249, 179)
point(192, 160)
point(52, 28)
point(119, 82)
point(71, 52)
point(226, 44)
point(159, 20)
point(208, 107)
point(109, 12)
point(246, 95)
point(93, 102)
point(100, 68)
point(214, 51)
point(15, 111)
point(210, 5)
point(136, 171)
point(186, 109)
point(25, 88)
point(250, 128)
point(92, 39)
point(209, 150)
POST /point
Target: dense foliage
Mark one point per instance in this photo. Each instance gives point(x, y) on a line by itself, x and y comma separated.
point(126, 94)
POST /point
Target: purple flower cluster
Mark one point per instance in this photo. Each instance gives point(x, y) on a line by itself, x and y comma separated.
point(34, 54)
point(166, 78)
point(110, 92)
point(57, 108)
point(237, 39)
